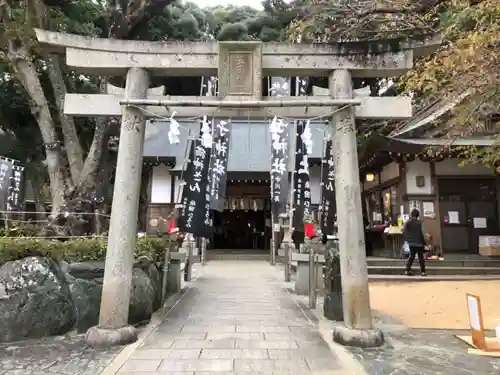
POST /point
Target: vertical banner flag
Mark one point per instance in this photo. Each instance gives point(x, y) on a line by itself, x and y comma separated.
point(328, 202)
point(218, 165)
point(5, 181)
point(302, 185)
point(194, 195)
point(279, 87)
point(14, 201)
point(183, 223)
point(279, 163)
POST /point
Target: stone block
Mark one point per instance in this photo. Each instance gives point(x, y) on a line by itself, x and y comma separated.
point(215, 365)
point(102, 338)
point(157, 353)
point(141, 365)
point(203, 344)
point(302, 276)
point(174, 276)
point(361, 338)
point(234, 354)
point(268, 365)
point(266, 344)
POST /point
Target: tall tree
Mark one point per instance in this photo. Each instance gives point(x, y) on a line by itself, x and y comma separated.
point(467, 64)
point(71, 171)
point(34, 81)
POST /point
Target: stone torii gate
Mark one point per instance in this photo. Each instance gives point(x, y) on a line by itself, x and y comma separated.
point(240, 67)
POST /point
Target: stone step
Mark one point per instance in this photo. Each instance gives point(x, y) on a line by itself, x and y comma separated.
point(434, 270)
point(237, 256)
point(439, 263)
point(417, 277)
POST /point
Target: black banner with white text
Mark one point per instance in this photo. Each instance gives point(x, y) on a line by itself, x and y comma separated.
point(279, 167)
point(301, 183)
point(195, 212)
point(218, 165)
point(328, 202)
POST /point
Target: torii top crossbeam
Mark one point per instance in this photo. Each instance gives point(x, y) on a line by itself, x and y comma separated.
point(240, 67)
point(113, 57)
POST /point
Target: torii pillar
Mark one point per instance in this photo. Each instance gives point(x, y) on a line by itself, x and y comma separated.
point(113, 328)
point(357, 329)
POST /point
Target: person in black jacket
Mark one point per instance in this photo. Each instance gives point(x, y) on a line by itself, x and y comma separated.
point(414, 236)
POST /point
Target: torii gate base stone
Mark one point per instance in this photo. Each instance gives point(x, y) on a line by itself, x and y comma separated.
point(240, 67)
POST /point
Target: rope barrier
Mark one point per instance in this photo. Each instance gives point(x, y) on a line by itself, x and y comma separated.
point(51, 237)
point(49, 213)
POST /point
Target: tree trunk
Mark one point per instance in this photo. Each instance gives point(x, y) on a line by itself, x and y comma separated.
point(142, 217)
point(71, 142)
point(86, 184)
point(27, 74)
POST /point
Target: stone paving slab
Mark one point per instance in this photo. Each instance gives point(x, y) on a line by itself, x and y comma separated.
point(236, 319)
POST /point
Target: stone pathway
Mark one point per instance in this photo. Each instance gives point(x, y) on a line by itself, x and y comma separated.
point(236, 319)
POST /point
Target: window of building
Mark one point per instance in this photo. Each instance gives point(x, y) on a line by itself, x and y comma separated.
point(381, 206)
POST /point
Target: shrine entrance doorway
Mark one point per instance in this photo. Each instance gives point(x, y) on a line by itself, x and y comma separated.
point(245, 223)
point(241, 230)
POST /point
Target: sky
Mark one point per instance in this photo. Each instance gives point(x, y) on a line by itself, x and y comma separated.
point(208, 3)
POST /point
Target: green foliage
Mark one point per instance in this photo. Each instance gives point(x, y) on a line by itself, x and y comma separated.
point(468, 62)
point(76, 250)
point(156, 20)
point(361, 20)
point(186, 21)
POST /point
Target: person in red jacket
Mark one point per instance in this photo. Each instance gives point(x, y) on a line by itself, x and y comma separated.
point(172, 224)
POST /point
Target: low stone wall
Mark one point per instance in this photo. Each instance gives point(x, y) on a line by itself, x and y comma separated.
point(39, 297)
point(302, 273)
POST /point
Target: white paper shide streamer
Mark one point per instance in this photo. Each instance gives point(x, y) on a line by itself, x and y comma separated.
point(206, 133)
point(307, 138)
point(173, 132)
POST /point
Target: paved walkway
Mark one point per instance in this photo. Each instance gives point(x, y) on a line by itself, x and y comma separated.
point(237, 318)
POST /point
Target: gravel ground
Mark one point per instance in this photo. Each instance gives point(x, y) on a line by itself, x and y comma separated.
point(63, 355)
point(439, 304)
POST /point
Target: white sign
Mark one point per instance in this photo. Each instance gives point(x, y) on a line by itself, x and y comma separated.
point(480, 222)
point(428, 208)
point(473, 307)
point(453, 217)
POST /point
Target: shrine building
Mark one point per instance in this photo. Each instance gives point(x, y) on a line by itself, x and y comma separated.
point(458, 203)
point(245, 222)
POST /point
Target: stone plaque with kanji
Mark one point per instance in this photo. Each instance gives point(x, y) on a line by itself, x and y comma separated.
point(240, 70)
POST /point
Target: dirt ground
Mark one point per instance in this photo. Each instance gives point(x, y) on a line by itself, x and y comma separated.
point(439, 304)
